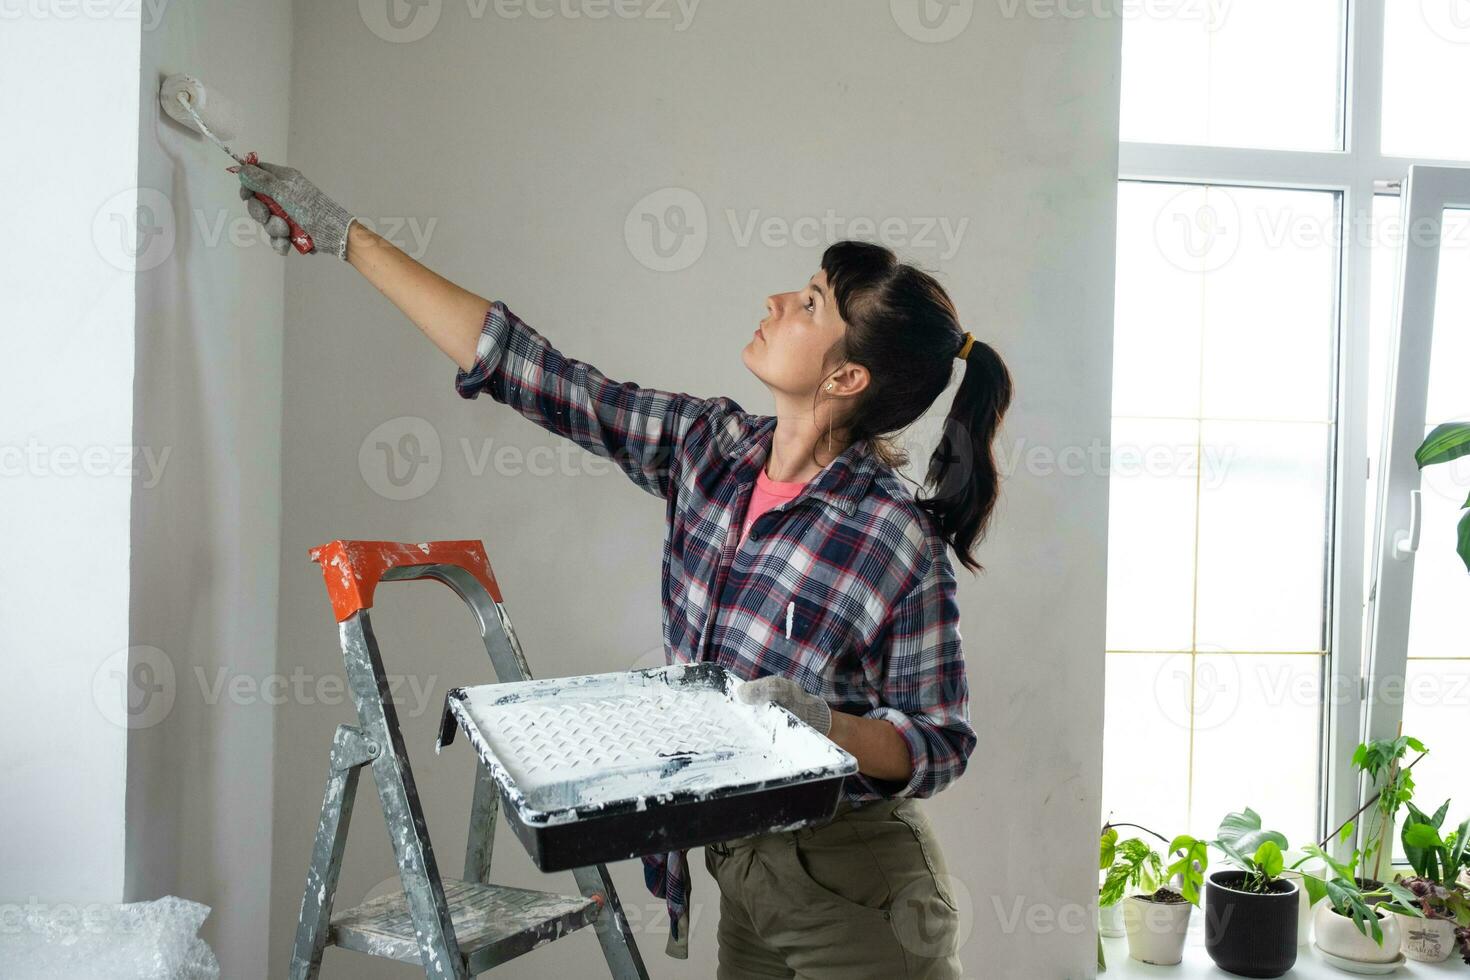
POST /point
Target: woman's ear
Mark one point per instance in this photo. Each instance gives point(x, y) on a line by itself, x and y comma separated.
point(848, 380)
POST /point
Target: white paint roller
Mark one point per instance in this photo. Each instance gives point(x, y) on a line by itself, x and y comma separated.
point(189, 103)
point(186, 101)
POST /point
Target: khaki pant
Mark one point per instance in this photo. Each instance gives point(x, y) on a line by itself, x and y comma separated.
point(863, 895)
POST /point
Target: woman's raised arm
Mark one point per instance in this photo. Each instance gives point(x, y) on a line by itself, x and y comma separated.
point(641, 429)
point(448, 314)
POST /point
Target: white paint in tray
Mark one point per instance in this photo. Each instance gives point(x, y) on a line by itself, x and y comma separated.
point(568, 745)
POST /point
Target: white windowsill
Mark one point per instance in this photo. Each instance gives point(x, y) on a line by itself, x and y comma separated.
point(1197, 962)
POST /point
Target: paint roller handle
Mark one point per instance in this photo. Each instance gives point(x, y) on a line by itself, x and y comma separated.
point(299, 238)
point(314, 222)
point(295, 234)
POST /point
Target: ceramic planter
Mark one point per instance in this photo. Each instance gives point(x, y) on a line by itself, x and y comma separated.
point(1110, 920)
point(1250, 934)
point(1339, 935)
point(1155, 929)
point(1426, 940)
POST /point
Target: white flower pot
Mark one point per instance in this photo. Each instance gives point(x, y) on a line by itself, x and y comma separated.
point(1339, 935)
point(1155, 929)
point(1426, 940)
point(1110, 920)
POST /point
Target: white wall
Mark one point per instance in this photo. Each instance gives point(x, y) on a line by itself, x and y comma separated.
point(140, 427)
point(523, 146)
point(206, 534)
point(66, 414)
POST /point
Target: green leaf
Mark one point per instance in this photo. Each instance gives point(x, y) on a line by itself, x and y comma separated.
point(1268, 858)
point(1421, 844)
point(1448, 441)
point(1347, 899)
point(1137, 864)
point(1236, 858)
point(1243, 831)
point(1151, 873)
point(1315, 886)
point(1341, 892)
point(1347, 831)
point(1462, 546)
point(1460, 853)
point(1192, 879)
point(1134, 849)
point(1114, 884)
point(1342, 870)
point(1405, 898)
point(1372, 917)
point(1421, 835)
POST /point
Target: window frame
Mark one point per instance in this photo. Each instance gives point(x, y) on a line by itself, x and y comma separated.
point(1356, 173)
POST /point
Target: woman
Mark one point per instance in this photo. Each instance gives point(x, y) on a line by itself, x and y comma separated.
point(795, 554)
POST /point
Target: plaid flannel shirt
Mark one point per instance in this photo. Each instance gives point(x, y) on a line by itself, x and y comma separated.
point(852, 563)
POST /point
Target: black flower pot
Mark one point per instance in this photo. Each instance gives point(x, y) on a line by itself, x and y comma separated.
point(1250, 934)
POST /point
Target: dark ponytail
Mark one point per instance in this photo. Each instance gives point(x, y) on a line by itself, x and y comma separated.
point(963, 471)
point(903, 327)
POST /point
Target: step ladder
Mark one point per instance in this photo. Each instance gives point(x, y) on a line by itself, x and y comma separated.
point(454, 927)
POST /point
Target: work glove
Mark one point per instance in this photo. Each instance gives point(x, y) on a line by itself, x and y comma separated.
point(789, 695)
point(318, 215)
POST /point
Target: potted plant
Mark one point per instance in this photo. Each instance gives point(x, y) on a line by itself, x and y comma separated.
point(1448, 442)
point(1109, 917)
point(1155, 915)
point(1354, 928)
point(1441, 903)
point(1251, 909)
point(1254, 913)
point(1109, 912)
point(1379, 761)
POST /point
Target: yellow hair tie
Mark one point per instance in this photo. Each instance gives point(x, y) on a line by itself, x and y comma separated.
point(964, 353)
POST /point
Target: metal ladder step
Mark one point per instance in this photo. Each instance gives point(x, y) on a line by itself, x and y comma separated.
point(493, 923)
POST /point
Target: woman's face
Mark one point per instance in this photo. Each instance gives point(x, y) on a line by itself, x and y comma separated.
point(788, 349)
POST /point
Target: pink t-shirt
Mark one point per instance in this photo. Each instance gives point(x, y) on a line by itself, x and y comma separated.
point(767, 494)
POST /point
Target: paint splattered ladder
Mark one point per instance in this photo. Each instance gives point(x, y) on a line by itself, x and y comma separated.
point(453, 927)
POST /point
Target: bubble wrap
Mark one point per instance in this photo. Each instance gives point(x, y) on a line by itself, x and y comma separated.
point(157, 939)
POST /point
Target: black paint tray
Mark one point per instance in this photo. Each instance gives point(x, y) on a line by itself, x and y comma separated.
point(603, 767)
